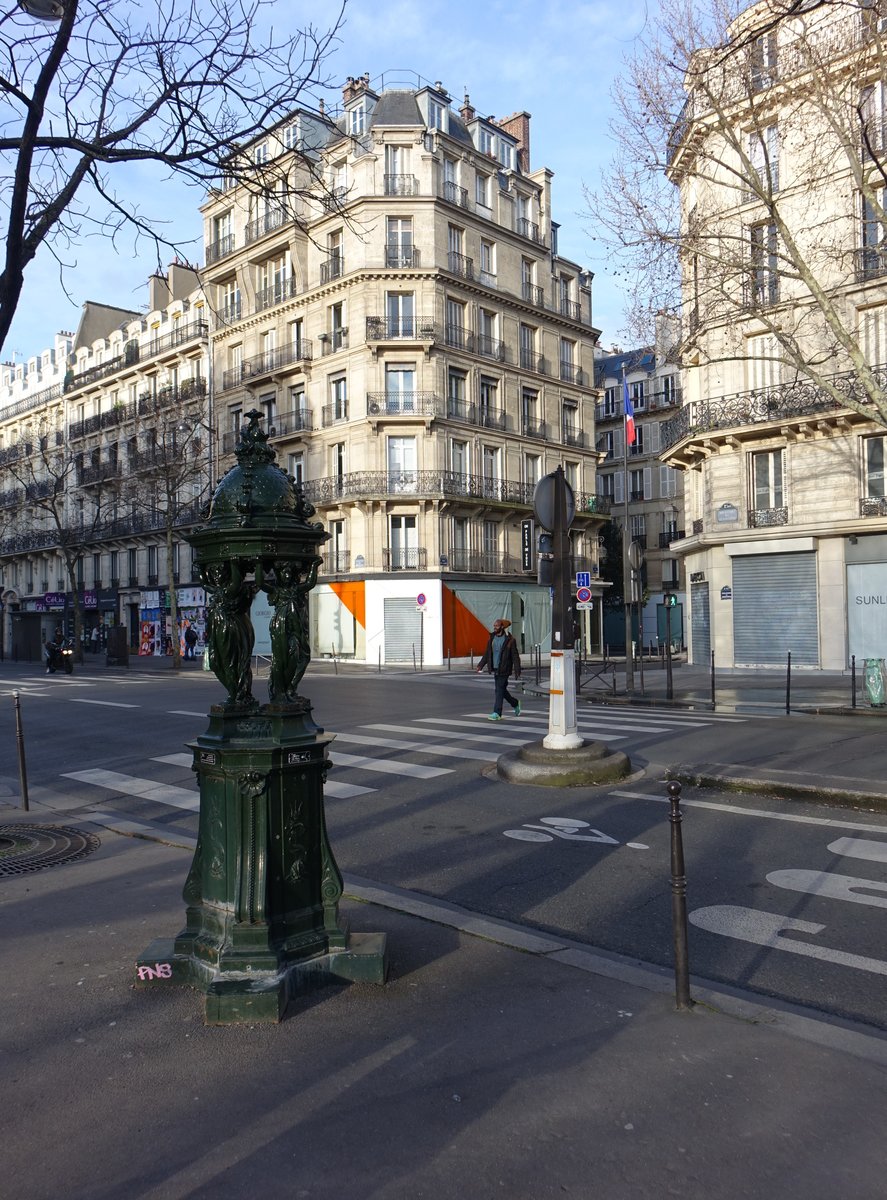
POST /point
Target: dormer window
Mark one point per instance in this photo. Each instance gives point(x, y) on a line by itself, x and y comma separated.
point(292, 135)
point(435, 115)
point(486, 142)
point(260, 153)
point(357, 120)
point(506, 154)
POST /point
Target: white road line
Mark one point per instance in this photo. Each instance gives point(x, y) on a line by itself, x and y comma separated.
point(358, 739)
point(738, 810)
point(635, 724)
point(388, 766)
point(498, 736)
point(175, 760)
point(345, 791)
point(181, 712)
point(104, 703)
point(835, 887)
point(132, 785)
point(860, 848)
point(531, 727)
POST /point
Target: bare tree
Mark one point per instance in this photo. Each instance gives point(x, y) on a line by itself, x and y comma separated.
point(177, 85)
point(172, 477)
point(749, 183)
point(47, 472)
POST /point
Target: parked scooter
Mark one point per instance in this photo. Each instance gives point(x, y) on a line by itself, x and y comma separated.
point(60, 656)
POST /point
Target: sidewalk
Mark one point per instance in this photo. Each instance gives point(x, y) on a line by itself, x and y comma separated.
point(496, 1062)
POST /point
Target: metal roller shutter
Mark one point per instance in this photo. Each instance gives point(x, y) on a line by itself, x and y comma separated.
point(403, 629)
point(774, 610)
point(700, 624)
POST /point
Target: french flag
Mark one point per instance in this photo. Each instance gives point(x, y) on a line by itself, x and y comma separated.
point(631, 434)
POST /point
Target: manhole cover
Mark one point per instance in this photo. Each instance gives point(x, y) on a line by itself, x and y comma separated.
point(25, 848)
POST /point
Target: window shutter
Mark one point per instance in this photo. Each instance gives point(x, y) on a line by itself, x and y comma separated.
point(618, 443)
point(619, 487)
point(653, 438)
point(648, 483)
point(667, 482)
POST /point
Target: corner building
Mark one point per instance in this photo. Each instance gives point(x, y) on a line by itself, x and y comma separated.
point(395, 306)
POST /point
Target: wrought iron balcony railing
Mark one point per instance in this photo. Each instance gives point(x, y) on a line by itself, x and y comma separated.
point(287, 424)
point(333, 414)
point(873, 506)
point(336, 562)
point(531, 361)
point(490, 347)
point(669, 536)
point(402, 256)
point(760, 518)
point(571, 436)
point(529, 229)
point(336, 339)
point(476, 414)
point(460, 338)
point(455, 194)
point(570, 373)
point(227, 314)
point(359, 485)
point(534, 429)
point(332, 268)
point(420, 404)
point(333, 199)
point(535, 295)
point(389, 329)
point(460, 264)
point(871, 262)
point(276, 293)
point(99, 472)
point(799, 398)
point(221, 248)
point(407, 558)
point(481, 562)
point(266, 224)
point(401, 185)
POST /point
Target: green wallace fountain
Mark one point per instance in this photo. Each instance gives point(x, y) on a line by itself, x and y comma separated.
point(262, 896)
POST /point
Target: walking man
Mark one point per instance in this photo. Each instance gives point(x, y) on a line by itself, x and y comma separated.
point(501, 659)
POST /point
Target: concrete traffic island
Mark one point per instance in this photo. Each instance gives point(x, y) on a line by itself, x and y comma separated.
point(579, 766)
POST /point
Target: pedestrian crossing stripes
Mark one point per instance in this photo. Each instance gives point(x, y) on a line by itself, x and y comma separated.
point(423, 748)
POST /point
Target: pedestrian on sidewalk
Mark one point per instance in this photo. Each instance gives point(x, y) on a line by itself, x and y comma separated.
point(501, 659)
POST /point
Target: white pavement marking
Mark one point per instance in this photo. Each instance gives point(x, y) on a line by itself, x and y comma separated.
point(138, 829)
point(359, 739)
point(103, 703)
point(175, 760)
point(634, 724)
point(146, 789)
point(757, 812)
point(388, 766)
point(766, 929)
point(345, 791)
point(530, 727)
point(181, 712)
point(499, 736)
point(860, 848)
point(835, 887)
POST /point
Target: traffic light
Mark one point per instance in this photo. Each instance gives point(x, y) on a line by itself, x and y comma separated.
point(545, 560)
point(669, 599)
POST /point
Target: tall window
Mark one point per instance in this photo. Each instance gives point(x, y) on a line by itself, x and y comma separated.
point(767, 479)
point(357, 119)
point(763, 154)
point(482, 189)
point(339, 398)
point(400, 388)
point(872, 113)
point(491, 545)
point(488, 262)
point(296, 464)
point(455, 324)
point(404, 550)
point(566, 359)
point(529, 402)
point(763, 61)
point(638, 395)
point(611, 401)
point(459, 462)
point(400, 310)
point(435, 115)
point(873, 253)
point(456, 394)
point(532, 469)
point(764, 264)
point(402, 461)
point(874, 467)
point(528, 348)
point(399, 243)
point(489, 393)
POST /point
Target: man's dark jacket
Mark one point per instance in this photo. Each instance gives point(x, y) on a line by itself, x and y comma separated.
point(509, 662)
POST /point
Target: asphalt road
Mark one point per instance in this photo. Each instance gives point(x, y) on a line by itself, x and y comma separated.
point(785, 897)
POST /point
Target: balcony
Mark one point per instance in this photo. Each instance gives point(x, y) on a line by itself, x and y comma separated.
point(336, 562)
point(762, 291)
point(476, 414)
point(762, 518)
point(268, 362)
point(459, 264)
point(401, 185)
point(873, 506)
point(402, 256)
point(571, 436)
point(800, 398)
point(409, 404)
point(670, 399)
point(490, 347)
point(534, 429)
point(569, 373)
point(265, 224)
point(533, 294)
point(481, 562)
point(219, 249)
point(409, 558)
point(391, 329)
point(636, 494)
point(228, 313)
point(333, 199)
point(99, 472)
point(336, 339)
point(531, 361)
point(153, 580)
point(530, 230)
point(669, 536)
point(571, 309)
point(459, 338)
point(366, 485)
point(333, 414)
point(641, 539)
point(297, 421)
point(453, 194)
point(332, 268)
point(871, 263)
point(275, 293)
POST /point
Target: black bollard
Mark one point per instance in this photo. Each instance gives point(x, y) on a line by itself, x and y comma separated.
point(683, 1000)
point(20, 739)
point(788, 684)
point(713, 677)
point(853, 681)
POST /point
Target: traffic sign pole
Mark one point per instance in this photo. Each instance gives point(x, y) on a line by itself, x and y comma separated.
point(563, 732)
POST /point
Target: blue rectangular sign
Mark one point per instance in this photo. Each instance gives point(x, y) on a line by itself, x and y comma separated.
point(583, 579)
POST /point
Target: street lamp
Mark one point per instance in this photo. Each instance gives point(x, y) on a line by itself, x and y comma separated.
point(43, 10)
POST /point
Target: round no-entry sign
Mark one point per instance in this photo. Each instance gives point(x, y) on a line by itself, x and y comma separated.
point(583, 595)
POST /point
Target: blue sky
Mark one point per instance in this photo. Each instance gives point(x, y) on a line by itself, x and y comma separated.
point(553, 58)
